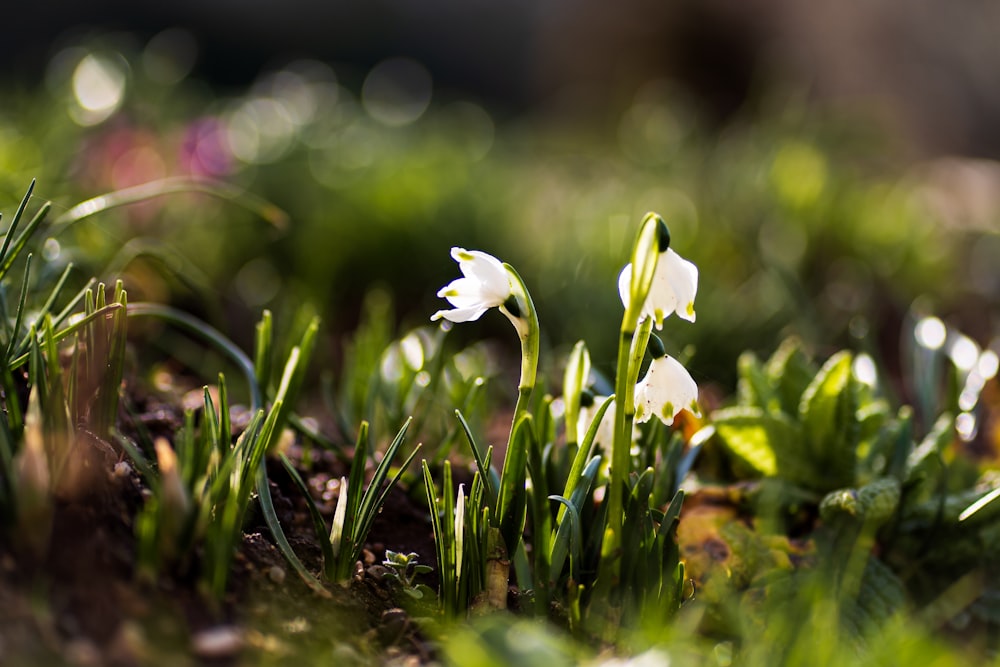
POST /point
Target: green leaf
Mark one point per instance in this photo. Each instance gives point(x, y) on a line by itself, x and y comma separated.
point(568, 538)
point(790, 371)
point(754, 387)
point(829, 421)
point(927, 457)
point(575, 381)
point(585, 449)
point(768, 444)
point(482, 463)
point(174, 185)
point(317, 519)
point(513, 497)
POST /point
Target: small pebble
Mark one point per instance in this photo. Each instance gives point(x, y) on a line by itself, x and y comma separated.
point(296, 626)
point(83, 653)
point(276, 574)
point(223, 641)
point(129, 644)
point(392, 625)
point(122, 470)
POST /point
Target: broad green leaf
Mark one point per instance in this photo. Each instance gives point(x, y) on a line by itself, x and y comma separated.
point(754, 386)
point(768, 444)
point(829, 421)
point(790, 371)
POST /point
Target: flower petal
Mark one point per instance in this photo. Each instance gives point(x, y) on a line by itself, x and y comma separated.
point(683, 278)
point(486, 270)
point(460, 314)
point(624, 280)
point(666, 389)
point(484, 284)
point(675, 283)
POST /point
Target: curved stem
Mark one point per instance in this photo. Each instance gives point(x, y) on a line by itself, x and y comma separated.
point(210, 335)
point(526, 324)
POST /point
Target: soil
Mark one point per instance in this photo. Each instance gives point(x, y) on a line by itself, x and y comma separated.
point(75, 598)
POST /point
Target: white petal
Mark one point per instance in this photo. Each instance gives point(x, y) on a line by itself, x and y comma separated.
point(666, 389)
point(675, 283)
point(662, 301)
point(460, 314)
point(486, 270)
point(624, 280)
point(606, 430)
point(484, 284)
point(683, 278)
point(463, 292)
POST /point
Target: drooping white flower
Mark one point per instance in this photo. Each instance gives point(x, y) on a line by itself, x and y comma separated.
point(666, 389)
point(606, 430)
point(484, 284)
point(675, 283)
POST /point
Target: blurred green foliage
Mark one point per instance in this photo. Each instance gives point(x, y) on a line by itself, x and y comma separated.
point(801, 223)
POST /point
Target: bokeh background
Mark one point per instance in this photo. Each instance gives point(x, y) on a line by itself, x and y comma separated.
point(830, 168)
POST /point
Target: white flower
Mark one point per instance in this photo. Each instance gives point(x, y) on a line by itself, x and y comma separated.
point(675, 283)
point(606, 429)
point(666, 390)
point(484, 284)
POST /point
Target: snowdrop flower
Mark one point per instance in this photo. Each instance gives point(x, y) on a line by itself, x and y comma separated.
point(484, 284)
point(666, 389)
point(588, 410)
point(675, 283)
point(606, 429)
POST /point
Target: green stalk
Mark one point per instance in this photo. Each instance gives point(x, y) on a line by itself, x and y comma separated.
point(645, 254)
point(526, 323)
point(506, 525)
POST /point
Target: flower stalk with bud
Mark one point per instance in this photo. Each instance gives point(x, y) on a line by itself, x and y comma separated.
point(655, 284)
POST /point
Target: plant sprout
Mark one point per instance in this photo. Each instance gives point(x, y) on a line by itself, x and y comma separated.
point(570, 535)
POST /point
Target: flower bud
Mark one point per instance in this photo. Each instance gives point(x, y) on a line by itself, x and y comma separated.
point(662, 234)
point(655, 347)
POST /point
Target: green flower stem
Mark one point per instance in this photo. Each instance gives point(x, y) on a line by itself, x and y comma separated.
point(526, 324)
point(645, 254)
point(521, 312)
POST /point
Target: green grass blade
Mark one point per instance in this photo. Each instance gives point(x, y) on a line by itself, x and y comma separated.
point(22, 239)
point(482, 464)
point(225, 433)
point(9, 236)
point(568, 541)
point(370, 501)
point(65, 333)
point(175, 185)
point(317, 519)
point(356, 480)
point(139, 460)
point(262, 349)
point(19, 313)
point(583, 454)
point(208, 334)
point(513, 496)
point(54, 294)
point(564, 533)
point(271, 518)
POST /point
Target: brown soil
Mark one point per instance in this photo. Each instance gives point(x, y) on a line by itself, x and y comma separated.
point(76, 599)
